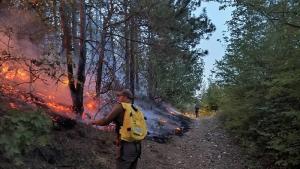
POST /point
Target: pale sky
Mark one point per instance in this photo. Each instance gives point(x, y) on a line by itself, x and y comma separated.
point(216, 49)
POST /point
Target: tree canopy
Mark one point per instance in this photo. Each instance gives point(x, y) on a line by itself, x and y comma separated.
point(150, 47)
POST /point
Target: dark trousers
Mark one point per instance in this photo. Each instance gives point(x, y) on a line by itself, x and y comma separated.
point(196, 112)
point(129, 153)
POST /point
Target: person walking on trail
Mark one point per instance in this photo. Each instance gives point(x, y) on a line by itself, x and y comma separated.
point(129, 138)
point(197, 107)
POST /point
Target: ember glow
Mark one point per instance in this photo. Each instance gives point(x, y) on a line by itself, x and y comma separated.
point(162, 122)
point(22, 75)
point(91, 105)
point(65, 82)
point(59, 108)
point(178, 131)
point(4, 68)
point(10, 73)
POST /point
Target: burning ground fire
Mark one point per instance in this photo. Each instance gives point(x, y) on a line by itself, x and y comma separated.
point(160, 124)
point(12, 75)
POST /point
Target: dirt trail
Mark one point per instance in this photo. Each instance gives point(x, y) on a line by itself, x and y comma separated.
point(205, 146)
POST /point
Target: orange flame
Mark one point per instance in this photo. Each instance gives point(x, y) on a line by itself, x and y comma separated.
point(22, 74)
point(57, 107)
point(14, 72)
point(10, 75)
point(65, 82)
point(50, 97)
point(4, 68)
point(91, 105)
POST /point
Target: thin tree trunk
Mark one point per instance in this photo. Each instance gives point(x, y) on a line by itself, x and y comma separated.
point(100, 62)
point(127, 59)
point(136, 70)
point(151, 75)
point(137, 81)
point(151, 79)
point(114, 64)
point(132, 55)
point(30, 79)
point(104, 32)
point(74, 27)
point(55, 17)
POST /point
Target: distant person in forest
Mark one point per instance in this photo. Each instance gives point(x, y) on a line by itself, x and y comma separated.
point(197, 108)
point(128, 151)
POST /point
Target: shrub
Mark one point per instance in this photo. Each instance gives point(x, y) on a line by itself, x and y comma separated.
point(20, 132)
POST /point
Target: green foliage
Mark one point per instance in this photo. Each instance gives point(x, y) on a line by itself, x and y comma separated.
point(212, 97)
point(260, 77)
point(21, 132)
point(175, 64)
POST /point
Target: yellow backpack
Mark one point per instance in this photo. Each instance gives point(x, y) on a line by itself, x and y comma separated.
point(134, 125)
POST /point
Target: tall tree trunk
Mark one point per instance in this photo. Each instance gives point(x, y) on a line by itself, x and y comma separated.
point(55, 17)
point(132, 54)
point(66, 44)
point(126, 45)
point(75, 90)
point(82, 60)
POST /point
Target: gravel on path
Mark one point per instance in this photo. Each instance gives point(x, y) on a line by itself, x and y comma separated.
point(205, 146)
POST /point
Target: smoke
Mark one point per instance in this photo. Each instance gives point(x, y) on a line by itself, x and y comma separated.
point(20, 33)
point(162, 118)
point(22, 50)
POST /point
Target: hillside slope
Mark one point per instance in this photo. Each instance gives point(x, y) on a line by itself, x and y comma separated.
point(205, 146)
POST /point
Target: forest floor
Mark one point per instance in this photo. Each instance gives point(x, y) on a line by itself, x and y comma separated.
point(204, 146)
